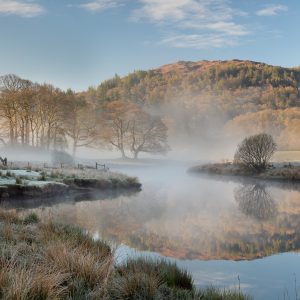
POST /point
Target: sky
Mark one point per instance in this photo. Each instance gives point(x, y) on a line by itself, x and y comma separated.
point(78, 44)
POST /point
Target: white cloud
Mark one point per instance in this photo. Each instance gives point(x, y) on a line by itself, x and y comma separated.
point(199, 41)
point(100, 5)
point(20, 8)
point(272, 10)
point(197, 23)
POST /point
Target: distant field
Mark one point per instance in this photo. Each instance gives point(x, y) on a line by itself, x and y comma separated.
point(287, 156)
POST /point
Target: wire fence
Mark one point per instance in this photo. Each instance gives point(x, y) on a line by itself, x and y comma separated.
point(46, 165)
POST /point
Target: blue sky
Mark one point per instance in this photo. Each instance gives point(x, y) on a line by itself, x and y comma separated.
point(77, 44)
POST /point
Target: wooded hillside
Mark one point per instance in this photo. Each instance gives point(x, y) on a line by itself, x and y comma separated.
point(213, 99)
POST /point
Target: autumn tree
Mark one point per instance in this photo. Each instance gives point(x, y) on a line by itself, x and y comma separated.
point(31, 113)
point(147, 134)
point(81, 123)
point(128, 127)
point(255, 152)
point(116, 119)
point(13, 90)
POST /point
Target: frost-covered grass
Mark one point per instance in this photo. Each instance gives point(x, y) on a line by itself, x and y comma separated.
point(49, 180)
point(25, 174)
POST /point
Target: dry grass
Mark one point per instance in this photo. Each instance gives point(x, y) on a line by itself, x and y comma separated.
point(57, 261)
point(79, 263)
point(9, 216)
point(50, 261)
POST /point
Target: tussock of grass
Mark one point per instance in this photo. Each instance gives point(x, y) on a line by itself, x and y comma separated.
point(212, 293)
point(9, 216)
point(168, 272)
point(57, 261)
point(140, 285)
point(80, 263)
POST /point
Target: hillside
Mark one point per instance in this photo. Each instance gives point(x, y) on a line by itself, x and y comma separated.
point(218, 76)
point(212, 99)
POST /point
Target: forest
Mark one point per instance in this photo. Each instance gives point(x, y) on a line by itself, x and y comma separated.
point(205, 102)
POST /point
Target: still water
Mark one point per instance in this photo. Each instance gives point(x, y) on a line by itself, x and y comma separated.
point(220, 230)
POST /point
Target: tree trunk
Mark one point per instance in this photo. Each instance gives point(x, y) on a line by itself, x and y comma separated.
point(74, 149)
point(123, 154)
point(136, 154)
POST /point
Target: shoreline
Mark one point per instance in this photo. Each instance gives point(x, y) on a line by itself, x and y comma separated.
point(289, 174)
point(25, 183)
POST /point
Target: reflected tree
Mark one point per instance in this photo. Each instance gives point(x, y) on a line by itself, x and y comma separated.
point(255, 201)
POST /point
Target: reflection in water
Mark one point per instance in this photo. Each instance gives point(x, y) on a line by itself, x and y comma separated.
point(37, 202)
point(191, 218)
point(255, 201)
point(188, 217)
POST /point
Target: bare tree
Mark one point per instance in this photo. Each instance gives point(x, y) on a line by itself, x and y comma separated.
point(116, 120)
point(81, 122)
point(255, 152)
point(128, 127)
point(13, 90)
point(147, 134)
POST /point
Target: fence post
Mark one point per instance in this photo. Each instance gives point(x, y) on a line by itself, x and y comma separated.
point(61, 166)
point(96, 166)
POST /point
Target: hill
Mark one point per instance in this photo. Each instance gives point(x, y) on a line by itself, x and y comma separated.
point(210, 100)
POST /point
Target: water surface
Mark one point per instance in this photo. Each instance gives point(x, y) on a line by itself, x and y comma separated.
point(218, 229)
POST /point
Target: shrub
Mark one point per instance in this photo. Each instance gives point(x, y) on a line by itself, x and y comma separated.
point(255, 152)
point(43, 176)
point(31, 219)
point(19, 180)
point(61, 157)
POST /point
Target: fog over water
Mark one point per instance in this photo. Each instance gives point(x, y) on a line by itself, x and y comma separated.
point(218, 229)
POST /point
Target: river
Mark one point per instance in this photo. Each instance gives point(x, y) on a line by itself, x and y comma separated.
point(225, 232)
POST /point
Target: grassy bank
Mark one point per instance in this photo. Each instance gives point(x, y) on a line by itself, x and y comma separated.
point(276, 171)
point(46, 260)
point(29, 183)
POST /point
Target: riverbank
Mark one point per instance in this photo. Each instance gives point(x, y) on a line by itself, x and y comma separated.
point(26, 183)
point(285, 172)
point(46, 260)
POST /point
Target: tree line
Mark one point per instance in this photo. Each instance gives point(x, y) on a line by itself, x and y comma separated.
point(42, 116)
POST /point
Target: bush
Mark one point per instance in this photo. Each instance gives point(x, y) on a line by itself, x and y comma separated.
point(43, 176)
point(31, 219)
point(255, 152)
point(19, 180)
point(61, 157)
